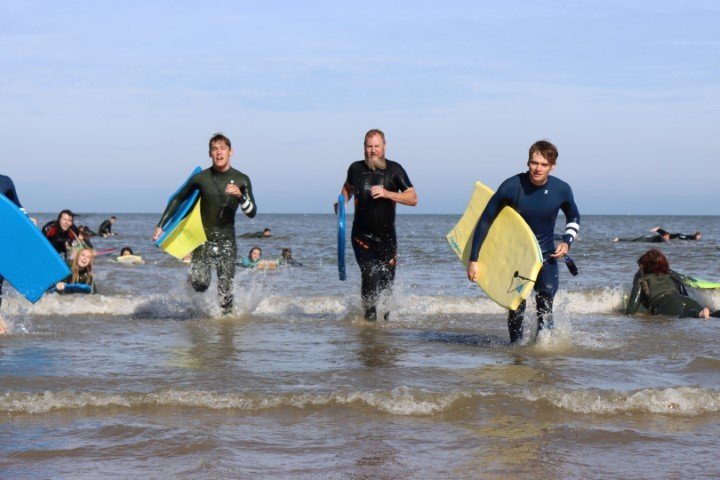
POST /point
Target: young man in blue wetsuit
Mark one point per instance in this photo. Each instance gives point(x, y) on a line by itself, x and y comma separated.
point(537, 197)
point(378, 184)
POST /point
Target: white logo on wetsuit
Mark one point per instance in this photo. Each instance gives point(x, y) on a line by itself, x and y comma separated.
point(546, 192)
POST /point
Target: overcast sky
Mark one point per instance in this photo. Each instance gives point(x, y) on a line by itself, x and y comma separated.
point(108, 106)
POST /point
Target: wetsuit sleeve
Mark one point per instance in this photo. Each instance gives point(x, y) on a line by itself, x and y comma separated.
point(247, 201)
point(572, 218)
point(500, 199)
point(682, 236)
point(402, 181)
point(634, 301)
point(173, 205)
point(11, 193)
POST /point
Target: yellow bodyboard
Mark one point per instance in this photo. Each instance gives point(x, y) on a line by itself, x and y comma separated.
point(510, 257)
point(186, 236)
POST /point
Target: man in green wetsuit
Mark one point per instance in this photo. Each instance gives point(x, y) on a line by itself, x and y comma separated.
point(222, 190)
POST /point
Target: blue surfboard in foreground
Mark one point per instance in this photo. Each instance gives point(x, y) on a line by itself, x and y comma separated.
point(341, 237)
point(27, 260)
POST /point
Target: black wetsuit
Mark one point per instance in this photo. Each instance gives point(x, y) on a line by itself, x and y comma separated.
point(539, 207)
point(678, 236)
point(644, 238)
point(7, 188)
point(661, 294)
point(217, 209)
point(105, 228)
point(373, 232)
point(59, 238)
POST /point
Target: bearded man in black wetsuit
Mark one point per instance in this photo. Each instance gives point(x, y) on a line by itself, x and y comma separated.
point(222, 190)
point(378, 184)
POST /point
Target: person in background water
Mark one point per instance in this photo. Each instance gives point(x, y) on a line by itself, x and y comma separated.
point(128, 257)
point(222, 191)
point(378, 185)
point(264, 234)
point(660, 237)
point(537, 197)
point(659, 293)
point(106, 227)
point(61, 232)
point(81, 271)
point(7, 188)
point(253, 258)
point(678, 236)
point(287, 259)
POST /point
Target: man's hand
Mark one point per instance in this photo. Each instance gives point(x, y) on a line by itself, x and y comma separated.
point(157, 233)
point(378, 191)
point(473, 271)
point(561, 250)
point(233, 190)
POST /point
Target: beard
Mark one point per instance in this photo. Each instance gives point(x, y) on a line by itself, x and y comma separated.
point(376, 163)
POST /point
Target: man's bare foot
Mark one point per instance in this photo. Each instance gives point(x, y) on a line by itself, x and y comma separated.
point(3, 327)
point(705, 313)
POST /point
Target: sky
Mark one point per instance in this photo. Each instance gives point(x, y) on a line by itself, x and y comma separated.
point(108, 106)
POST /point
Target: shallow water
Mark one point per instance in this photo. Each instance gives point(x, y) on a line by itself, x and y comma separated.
point(145, 381)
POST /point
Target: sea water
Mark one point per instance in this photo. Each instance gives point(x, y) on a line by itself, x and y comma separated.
point(146, 380)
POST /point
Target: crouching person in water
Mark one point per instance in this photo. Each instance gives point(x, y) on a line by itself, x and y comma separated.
point(660, 293)
point(222, 191)
point(81, 273)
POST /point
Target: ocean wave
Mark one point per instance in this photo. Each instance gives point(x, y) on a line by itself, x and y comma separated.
point(399, 401)
point(683, 401)
point(403, 401)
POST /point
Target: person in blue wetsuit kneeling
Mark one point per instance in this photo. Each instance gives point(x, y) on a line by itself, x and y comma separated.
point(538, 198)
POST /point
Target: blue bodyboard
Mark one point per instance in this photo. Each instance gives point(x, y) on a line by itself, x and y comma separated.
point(182, 211)
point(27, 259)
point(341, 237)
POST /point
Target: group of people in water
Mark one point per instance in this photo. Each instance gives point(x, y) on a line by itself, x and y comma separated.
point(377, 185)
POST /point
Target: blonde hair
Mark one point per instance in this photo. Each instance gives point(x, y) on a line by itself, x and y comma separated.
point(75, 268)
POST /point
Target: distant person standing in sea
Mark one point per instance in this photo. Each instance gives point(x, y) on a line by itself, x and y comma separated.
point(378, 185)
point(538, 198)
point(222, 191)
point(7, 188)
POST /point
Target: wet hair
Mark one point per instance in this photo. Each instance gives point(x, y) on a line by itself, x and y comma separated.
point(373, 132)
point(126, 249)
point(217, 138)
point(266, 230)
point(255, 248)
point(63, 212)
point(286, 251)
point(653, 261)
point(75, 268)
point(546, 149)
point(113, 217)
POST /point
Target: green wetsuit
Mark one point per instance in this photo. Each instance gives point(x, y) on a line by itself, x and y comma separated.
point(217, 209)
point(660, 295)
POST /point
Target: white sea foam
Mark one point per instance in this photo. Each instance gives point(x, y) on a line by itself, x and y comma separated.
point(686, 401)
point(399, 401)
point(184, 302)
